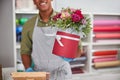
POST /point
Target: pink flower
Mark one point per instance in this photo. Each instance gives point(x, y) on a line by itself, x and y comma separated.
point(62, 15)
point(65, 15)
point(72, 9)
point(83, 21)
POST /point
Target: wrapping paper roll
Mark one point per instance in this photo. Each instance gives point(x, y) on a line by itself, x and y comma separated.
point(107, 64)
point(107, 52)
point(77, 70)
point(107, 35)
point(104, 59)
point(106, 22)
point(106, 28)
point(105, 56)
point(76, 62)
point(82, 58)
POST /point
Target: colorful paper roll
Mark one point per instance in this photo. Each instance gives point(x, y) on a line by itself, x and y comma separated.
point(82, 58)
point(23, 21)
point(17, 21)
point(106, 28)
point(105, 56)
point(106, 22)
point(104, 59)
point(107, 52)
point(77, 70)
point(107, 35)
point(107, 64)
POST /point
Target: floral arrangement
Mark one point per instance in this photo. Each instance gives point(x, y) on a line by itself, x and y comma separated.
point(72, 18)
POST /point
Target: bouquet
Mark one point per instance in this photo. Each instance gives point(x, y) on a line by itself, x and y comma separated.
point(73, 19)
point(73, 23)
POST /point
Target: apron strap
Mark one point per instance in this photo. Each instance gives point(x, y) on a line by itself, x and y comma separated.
point(36, 22)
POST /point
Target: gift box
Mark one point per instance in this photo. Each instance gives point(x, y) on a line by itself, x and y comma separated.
point(66, 44)
point(0, 72)
point(30, 75)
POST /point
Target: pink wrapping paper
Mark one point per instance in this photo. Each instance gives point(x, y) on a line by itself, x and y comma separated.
point(105, 59)
point(107, 35)
point(106, 28)
point(107, 22)
point(114, 41)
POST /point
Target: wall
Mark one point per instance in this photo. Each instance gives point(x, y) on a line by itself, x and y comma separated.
point(6, 34)
point(95, 6)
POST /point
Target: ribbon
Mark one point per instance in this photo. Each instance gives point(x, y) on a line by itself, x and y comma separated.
point(58, 38)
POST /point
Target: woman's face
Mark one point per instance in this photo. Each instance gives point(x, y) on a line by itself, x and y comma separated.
point(43, 5)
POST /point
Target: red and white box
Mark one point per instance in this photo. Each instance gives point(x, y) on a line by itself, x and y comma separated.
point(66, 44)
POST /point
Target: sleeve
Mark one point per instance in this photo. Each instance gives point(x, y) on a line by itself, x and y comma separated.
point(26, 42)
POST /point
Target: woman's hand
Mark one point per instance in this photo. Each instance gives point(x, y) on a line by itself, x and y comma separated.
point(29, 70)
point(79, 52)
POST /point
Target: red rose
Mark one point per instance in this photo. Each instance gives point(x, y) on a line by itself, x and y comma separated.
point(78, 12)
point(57, 16)
point(75, 18)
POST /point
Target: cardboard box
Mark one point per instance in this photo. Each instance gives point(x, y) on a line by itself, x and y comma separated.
point(30, 76)
point(0, 72)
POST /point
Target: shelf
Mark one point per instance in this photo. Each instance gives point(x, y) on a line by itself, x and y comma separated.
point(106, 43)
point(117, 14)
point(26, 11)
point(105, 49)
point(18, 45)
point(109, 70)
point(85, 43)
point(91, 43)
point(77, 65)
